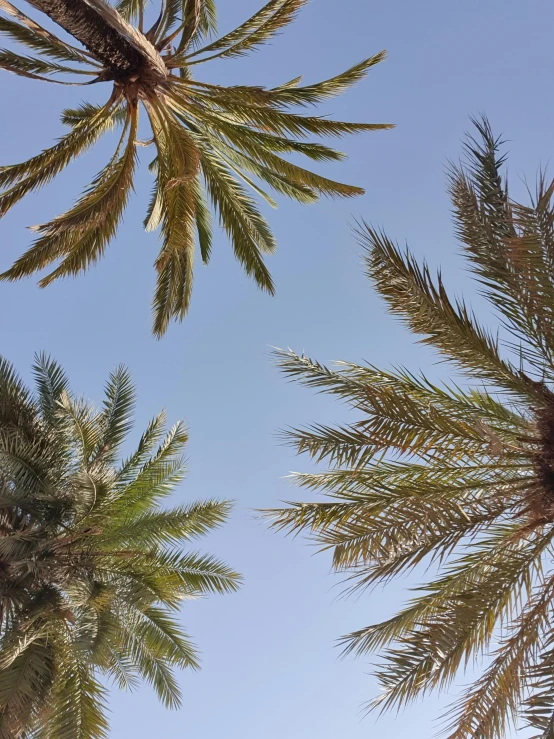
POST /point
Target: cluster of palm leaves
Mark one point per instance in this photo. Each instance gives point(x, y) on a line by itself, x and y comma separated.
point(92, 566)
point(209, 140)
point(458, 479)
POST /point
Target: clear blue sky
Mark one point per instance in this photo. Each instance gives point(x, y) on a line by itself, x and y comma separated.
point(270, 668)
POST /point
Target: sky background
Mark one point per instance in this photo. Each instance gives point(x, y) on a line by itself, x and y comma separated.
point(270, 665)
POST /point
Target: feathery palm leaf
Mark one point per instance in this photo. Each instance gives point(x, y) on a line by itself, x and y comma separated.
point(92, 565)
point(208, 138)
point(459, 479)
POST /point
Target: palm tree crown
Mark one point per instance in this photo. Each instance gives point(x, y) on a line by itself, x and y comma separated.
point(92, 567)
point(458, 479)
point(207, 138)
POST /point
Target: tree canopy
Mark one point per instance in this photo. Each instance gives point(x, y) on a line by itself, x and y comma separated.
point(213, 145)
point(455, 478)
point(93, 565)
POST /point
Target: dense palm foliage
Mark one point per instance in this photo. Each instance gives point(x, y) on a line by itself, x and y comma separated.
point(92, 566)
point(458, 479)
point(209, 140)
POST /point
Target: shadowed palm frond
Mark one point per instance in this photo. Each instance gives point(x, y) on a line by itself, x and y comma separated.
point(214, 144)
point(93, 565)
point(460, 481)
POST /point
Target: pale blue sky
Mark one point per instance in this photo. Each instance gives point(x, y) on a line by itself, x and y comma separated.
point(270, 668)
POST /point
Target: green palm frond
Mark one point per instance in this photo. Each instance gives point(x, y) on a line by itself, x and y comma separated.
point(80, 703)
point(80, 235)
point(168, 527)
point(175, 199)
point(39, 170)
point(116, 416)
point(215, 145)
point(16, 62)
point(51, 382)
point(457, 480)
point(260, 27)
point(250, 235)
point(316, 93)
point(93, 565)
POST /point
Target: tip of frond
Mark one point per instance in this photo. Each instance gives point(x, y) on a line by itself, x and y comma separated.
point(377, 58)
point(347, 191)
point(487, 146)
point(267, 286)
point(46, 280)
point(366, 235)
point(279, 353)
point(158, 332)
point(11, 275)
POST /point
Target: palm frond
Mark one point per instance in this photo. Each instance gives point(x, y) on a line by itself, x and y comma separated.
point(74, 116)
point(239, 217)
point(198, 573)
point(164, 528)
point(176, 198)
point(152, 669)
point(509, 245)
point(39, 170)
point(492, 705)
point(411, 293)
point(116, 418)
point(447, 633)
point(539, 705)
point(157, 476)
point(51, 383)
point(78, 704)
point(319, 91)
point(25, 64)
point(23, 688)
point(80, 235)
point(258, 29)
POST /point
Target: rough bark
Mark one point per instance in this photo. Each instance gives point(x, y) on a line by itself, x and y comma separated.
point(86, 25)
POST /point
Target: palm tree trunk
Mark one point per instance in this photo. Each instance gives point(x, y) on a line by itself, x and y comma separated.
point(103, 41)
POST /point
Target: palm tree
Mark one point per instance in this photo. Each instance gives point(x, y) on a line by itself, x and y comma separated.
point(207, 138)
point(458, 479)
point(92, 566)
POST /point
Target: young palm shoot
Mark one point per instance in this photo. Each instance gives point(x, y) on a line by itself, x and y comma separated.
point(93, 566)
point(209, 140)
point(460, 480)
